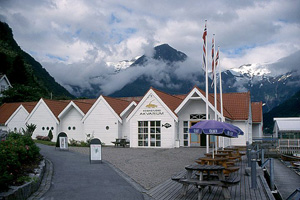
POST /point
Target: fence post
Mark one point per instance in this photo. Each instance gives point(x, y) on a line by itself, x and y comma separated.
point(262, 156)
point(272, 174)
point(248, 153)
point(253, 170)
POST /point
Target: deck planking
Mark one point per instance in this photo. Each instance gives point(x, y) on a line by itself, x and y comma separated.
point(170, 190)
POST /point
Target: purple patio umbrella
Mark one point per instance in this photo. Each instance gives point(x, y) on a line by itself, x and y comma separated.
point(216, 128)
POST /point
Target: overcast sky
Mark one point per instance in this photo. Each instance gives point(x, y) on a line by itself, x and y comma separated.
point(79, 36)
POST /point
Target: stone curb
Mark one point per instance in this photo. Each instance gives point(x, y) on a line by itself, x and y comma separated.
point(46, 182)
point(24, 191)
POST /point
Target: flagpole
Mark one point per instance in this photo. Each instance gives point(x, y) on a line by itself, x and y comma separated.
point(206, 87)
point(221, 94)
point(215, 84)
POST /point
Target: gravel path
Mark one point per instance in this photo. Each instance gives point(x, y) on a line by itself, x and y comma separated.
point(148, 167)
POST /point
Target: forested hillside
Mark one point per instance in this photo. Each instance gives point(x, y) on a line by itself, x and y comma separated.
point(29, 79)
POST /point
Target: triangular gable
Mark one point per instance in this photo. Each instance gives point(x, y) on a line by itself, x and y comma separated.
point(195, 93)
point(13, 115)
point(6, 110)
point(4, 77)
point(41, 101)
point(69, 106)
point(101, 98)
point(151, 91)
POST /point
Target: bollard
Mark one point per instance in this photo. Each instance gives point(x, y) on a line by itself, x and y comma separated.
point(253, 170)
point(272, 174)
point(248, 154)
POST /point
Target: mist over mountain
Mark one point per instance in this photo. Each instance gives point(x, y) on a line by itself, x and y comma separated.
point(172, 71)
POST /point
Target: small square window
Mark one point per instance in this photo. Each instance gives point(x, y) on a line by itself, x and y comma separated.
point(185, 124)
point(185, 143)
point(152, 123)
point(185, 136)
point(157, 123)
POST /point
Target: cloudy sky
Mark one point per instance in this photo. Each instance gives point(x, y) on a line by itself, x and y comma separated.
point(78, 37)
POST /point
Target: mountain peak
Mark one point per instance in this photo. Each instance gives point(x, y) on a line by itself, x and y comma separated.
point(163, 52)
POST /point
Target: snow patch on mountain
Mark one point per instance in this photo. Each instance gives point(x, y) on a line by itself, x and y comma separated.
point(122, 65)
point(251, 70)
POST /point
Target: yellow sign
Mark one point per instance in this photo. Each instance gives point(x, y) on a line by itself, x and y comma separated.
point(150, 105)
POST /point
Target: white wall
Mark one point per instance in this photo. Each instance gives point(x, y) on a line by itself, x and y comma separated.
point(70, 120)
point(18, 120)
point(126, 125)
point(97, 121)
point(191, 107)
point(43, 121)
point(160, 114)
point(257, 130)
point(241, 140)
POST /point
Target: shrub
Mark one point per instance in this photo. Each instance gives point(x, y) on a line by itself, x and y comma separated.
point(16, 152)
point(50, 135)
point(29, 129)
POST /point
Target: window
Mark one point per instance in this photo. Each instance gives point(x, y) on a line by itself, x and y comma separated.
point(74, 128)
point(52, 128)
point(185, 133)
point(69, 128)
point(197, 116)
point(43, 128)
point(152, 127)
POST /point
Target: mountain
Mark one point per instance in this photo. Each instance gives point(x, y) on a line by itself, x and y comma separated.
point(161, 73)
point(289, 108)
point(26, 75)
point(262, 84)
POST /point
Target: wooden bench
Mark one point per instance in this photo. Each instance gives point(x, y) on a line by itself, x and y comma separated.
point(121, 142)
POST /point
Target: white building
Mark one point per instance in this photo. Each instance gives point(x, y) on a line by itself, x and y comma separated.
point(4, 84)
point(45, 117)
point(13, 115)
point(155, 120)
point(287, 128)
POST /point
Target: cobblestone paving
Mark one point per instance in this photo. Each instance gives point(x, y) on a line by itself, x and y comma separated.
point(148, 167)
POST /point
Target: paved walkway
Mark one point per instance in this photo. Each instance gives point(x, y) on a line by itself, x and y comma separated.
point(286, 180)
point(75, 178)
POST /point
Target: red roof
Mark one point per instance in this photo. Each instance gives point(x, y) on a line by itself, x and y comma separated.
point(85, 104)
point(56, 106)
point(6, 110)
point(256, 109)
point(117, 104)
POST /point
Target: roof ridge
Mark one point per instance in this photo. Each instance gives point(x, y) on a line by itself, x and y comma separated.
point(166, 93)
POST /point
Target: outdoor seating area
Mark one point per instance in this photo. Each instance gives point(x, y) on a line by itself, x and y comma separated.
point(215, 170)
point(121, 143)
point(207, 179)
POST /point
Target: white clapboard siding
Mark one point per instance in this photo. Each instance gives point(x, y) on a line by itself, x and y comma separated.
point(98, 119)
point(241, 140)
point(17, 121)
point(71, 124)
point(162, 114)
point(44, 121)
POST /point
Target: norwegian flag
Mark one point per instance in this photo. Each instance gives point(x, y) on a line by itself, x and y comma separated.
point(213, 60)
point(204, 47)
point(217, 58)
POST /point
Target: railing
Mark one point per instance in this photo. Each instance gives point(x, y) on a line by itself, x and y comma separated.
point(289, 146)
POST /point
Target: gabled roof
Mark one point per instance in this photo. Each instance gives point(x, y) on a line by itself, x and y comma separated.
point(118, 105)
point(256, 109)
point(56, 106)
point(6, 110)
point(85, 104)
point(3, 76)
point(287, 124)
point(168, 101)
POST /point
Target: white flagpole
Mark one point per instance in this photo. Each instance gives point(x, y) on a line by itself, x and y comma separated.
point(221, 94)
point(206, 86)
point(215, 85)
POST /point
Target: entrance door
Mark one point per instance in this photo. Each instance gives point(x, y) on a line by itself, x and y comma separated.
point(197, 139)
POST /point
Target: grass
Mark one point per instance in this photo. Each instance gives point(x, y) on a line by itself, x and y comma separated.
point(45, 142)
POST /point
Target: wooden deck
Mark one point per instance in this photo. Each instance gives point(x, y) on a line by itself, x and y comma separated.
point(172, 190)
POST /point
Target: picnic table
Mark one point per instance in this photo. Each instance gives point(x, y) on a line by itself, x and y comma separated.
point(221, 155)
point(204, 181)
point(211, 161)
point(120, 142)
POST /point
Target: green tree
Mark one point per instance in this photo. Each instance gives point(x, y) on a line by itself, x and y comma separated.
point(19, 74)
point(50, 135)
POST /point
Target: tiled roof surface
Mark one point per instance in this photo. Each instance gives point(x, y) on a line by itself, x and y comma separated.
point(171, 101)
point(56, 106)
point(85, 104)
point(29, 106)
point(135, 99)
point(118, 105)
point(6, 110)
point(256, 109)
point(232, 101)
